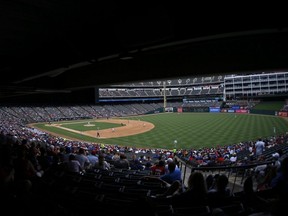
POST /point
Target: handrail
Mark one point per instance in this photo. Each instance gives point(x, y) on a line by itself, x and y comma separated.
point(229, 168)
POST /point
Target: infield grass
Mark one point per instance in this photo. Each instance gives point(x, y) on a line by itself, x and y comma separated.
point(191, 130)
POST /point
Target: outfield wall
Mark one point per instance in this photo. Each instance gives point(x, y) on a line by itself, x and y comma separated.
point(264, 112)
point(230, 110)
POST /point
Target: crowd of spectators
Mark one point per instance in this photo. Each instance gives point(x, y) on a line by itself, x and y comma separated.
point(27, 154)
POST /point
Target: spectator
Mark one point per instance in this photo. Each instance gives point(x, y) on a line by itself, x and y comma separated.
point(158, 168)
point(148, 163)
point(102, 163)
point(173, 174)
point(24, 168)
point(168, 178)
point(195, 194)
point(169, 160)
point(73, 165)
point(248, 197)
point(279, 185)
point(122, 163)
point(135, 163)
point(93, 158)
point(209, 181)
point(221, 194)
point(259, 147)
point(83, 159)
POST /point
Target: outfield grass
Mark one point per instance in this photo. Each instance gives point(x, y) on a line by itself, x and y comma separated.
point(191, 130)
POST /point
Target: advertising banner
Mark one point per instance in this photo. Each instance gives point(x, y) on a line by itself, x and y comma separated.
point(283, 114)
point(235, 107)
point(241, 111)
point(214, 109)
point(179, 110)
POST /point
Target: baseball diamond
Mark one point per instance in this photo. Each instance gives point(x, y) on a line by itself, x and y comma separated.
point(161, 130)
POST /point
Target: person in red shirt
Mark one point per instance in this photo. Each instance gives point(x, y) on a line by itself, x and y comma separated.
point(158, 168)
point(220, 159)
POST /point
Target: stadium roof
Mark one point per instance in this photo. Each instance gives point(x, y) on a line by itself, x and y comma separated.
point(52, 47)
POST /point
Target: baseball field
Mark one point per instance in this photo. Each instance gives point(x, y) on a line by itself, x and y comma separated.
point(170, 130)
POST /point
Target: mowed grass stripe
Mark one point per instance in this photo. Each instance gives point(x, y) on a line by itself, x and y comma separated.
point(197, 130)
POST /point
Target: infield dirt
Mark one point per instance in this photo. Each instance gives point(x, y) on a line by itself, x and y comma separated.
point(130, 127)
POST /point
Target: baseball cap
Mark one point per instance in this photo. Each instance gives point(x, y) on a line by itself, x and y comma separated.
point(276, 155)
point(169, 160)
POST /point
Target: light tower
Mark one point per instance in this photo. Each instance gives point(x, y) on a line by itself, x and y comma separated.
point(164, 95)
